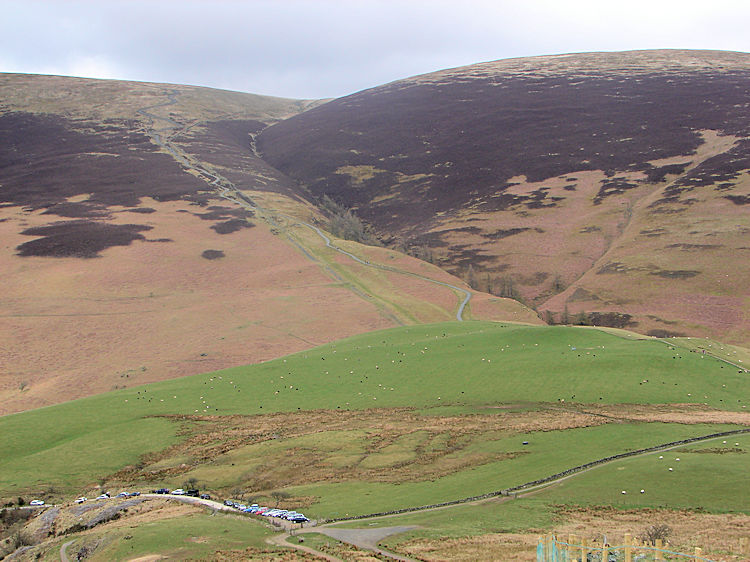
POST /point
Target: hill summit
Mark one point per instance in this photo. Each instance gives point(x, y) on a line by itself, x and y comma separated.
point(608, 186)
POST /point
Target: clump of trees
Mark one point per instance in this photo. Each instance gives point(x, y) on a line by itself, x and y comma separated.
point(345, 224)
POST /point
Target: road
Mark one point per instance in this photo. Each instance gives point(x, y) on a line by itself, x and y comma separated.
point(227, 190)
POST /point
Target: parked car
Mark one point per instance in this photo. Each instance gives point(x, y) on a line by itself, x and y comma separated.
point(229, 503)
point(193, 493)
point(104, 496)
point(81, 499)
point(122, 495)
point(134, 494)
point(205, 497)
point(178, 492)
point(36, 502)
point(299, 519)
point(161, 491)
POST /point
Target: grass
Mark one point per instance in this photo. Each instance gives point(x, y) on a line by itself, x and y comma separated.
point(450, 373)
point(191, 536)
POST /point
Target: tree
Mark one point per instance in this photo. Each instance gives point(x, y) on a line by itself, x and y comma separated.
point(660, 531)
point(565, 316)
point(471, 277)
point(278, 495)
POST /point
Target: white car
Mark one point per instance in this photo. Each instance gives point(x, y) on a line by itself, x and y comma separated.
point(104, 496)
point(178, 492)
point(81, 499)
point(36, 502)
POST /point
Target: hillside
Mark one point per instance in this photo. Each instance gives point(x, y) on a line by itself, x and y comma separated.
point(610, 184)
point(398, 419)
point(143, 239)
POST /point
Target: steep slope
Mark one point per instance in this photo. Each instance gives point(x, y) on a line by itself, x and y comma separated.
point(143, 239)
point(609, 184)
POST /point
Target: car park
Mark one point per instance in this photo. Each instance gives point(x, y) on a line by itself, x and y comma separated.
point(36, 502)
point(81, 499)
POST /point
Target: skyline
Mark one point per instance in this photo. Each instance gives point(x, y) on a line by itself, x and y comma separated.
point(328, 48)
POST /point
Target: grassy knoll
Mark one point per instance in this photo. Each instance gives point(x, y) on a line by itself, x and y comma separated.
point(177, 536)
point(400, 417)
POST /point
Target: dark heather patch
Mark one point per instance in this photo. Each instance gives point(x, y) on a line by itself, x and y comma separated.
point(611, 319)
point(220, 212)
point(675, 273)
point(739, 199)
point(581, 294)
point(467, 229)
point(518, 123)
point(657, 175)
point(659, 333)
point(232, 225)
point(695, 246)
point(142, 210)
point(656, 318)
point(47, 159)
point(77, 210)
point(616, 186)
point(159, 240)
point(590, 229)
point(569, 187)
point(498, 234)
point(212, 254)
point(79, 239)
point(653, 232)
point(613, 267)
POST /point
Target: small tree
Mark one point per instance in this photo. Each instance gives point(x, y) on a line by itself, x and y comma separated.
point(278, 495)
point(660, 531)
point(565, 316)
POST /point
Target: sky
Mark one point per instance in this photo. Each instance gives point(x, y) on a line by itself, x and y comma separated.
point(312, 49)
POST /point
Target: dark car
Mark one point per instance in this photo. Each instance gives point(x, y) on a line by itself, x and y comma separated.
point(161, 491)
point(134, 494)
point(230, 503)
point(193, 493)
point(205, 497)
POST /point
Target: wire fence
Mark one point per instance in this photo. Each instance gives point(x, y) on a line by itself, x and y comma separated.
point(574, 549)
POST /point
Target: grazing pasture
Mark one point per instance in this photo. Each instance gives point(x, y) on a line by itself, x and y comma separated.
point(392, 419)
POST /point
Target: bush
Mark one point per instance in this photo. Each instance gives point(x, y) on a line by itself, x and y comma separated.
point(652, 533)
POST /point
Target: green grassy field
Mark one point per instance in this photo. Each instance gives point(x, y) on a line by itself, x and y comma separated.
point(450, 371)
point(186, 537)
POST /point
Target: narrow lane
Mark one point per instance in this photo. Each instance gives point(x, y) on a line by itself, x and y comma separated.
point(228, 190)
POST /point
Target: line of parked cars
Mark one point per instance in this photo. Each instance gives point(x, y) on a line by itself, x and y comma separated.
point(293, 516)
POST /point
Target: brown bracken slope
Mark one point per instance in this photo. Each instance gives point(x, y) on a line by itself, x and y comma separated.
point(611, 188)
point(123, 263)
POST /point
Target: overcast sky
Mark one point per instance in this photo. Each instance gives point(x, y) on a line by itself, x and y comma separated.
point(330, 48)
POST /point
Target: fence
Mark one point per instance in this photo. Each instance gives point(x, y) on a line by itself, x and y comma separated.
point(575, 549)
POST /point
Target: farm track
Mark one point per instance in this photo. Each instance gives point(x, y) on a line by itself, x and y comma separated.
point(227, 190)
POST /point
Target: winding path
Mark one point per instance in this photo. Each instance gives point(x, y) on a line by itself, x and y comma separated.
point(227, 190)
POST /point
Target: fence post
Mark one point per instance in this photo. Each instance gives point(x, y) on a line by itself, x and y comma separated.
point(658, 545)
point(605, 551)
point(584, 550)
point(570, 552)
point(628, 547)
point(698, 551)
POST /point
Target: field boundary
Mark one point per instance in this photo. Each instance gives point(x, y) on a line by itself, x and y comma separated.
point(529, 486)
